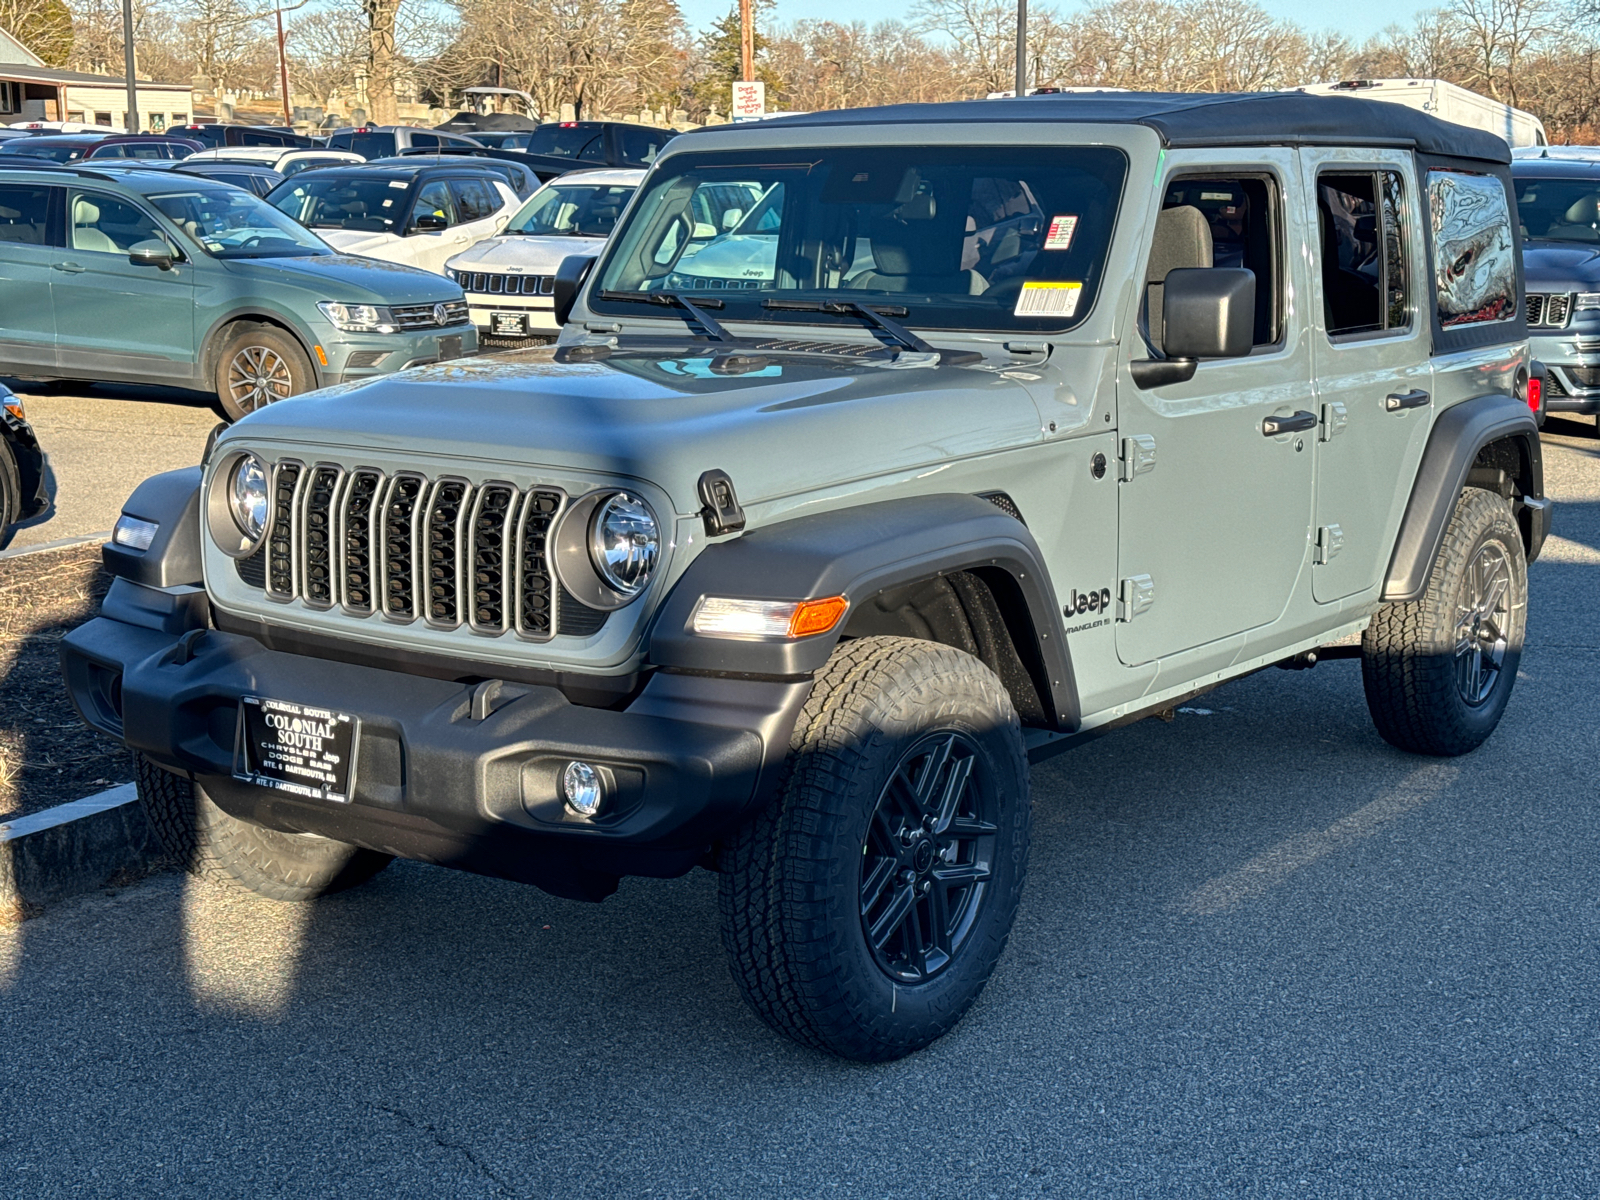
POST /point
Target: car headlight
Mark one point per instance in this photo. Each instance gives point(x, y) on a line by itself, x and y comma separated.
point(248, 496)
point(359, 318)
point(624, 543)
point(1589, 299)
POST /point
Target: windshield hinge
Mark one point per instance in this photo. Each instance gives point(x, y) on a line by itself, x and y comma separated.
point(721, 513)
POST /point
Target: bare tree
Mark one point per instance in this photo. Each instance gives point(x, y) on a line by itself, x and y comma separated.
point(43, 26)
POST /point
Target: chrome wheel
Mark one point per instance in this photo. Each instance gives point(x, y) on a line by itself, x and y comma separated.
point(258, 375)
point(1483, 615)
point(927, 859)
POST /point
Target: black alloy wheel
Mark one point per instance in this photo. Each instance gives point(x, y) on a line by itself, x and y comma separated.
point(927, 859)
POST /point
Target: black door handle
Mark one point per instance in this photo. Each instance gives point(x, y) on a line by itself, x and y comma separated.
point(1396, 401)
point(1301, 421)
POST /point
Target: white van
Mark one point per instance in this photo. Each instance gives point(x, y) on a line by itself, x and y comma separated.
point(1447, 101)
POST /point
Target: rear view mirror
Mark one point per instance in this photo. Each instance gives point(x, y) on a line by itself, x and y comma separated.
point(1207, 312)
point(570, 276)
point(431, 223)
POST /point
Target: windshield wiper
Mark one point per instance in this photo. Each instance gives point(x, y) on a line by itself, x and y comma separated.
point(878, 317)
point(693, 307)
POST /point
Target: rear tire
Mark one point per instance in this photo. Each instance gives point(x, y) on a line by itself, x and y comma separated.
point(210, 844)
point(259, 365)
point(864, 910)
point(1438, 671)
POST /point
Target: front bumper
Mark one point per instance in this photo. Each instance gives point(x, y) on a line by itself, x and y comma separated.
point(1573, 362)
point(462, 773)
point(356, 356)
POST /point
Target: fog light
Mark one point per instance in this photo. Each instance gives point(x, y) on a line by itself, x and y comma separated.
point(134, 533)
point(581, 788)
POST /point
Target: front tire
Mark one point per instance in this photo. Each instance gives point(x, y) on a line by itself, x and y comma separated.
point(1438, 671)
point(864, 910)
point(211, 845)
point(259, 365)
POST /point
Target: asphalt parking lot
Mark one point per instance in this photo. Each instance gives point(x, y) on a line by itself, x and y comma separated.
point(1260, 953)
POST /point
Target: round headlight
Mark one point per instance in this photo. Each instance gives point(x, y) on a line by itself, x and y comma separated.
point(247, 496)
point(624, 543)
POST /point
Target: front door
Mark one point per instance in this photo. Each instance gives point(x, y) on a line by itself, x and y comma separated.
point(1371, 352)
point(117, 320)
point(1214, 508)
point(30, 243)
point(429, 248)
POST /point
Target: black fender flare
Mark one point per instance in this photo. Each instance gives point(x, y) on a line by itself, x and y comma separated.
point(172, 501)
point(858, 552)
point(1459, 434)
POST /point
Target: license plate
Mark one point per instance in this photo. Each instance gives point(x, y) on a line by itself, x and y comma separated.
point(296, 748)
point(450, 347)
point(509, 324)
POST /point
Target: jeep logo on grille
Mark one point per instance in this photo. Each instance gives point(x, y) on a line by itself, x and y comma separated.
point(441, 315)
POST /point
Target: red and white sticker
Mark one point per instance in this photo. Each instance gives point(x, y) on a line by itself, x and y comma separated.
point(1059, 236)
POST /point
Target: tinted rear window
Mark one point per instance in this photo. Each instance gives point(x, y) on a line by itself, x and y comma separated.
point(567, 141)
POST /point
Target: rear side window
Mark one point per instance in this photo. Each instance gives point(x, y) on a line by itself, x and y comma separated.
point(424, 141)
point(1474, 257)
point(25, 215)
point(640, 146)
point(475, 199)
point(371, 145)
point(1362, 252)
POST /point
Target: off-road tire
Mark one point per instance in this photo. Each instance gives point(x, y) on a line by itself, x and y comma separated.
point(210, 844)
point(279, 356)
point(10, 490)
point(791, 892)
point(1409, 659)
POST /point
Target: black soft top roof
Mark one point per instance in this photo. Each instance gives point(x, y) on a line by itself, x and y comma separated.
point(1184, 119)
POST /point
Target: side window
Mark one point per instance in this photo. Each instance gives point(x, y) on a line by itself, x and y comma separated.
point(434, 200)
point(641, 145)
point(424, 141)
point(474, 199)
point(1226, 221)
point(105, 224)
point(25, 215)
point(1474, 266)
point(594, 150)
point(1362, 252)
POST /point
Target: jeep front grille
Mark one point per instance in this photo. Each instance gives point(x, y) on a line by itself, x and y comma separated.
point(489, 283)
point(1549, 310)
point(407, 548)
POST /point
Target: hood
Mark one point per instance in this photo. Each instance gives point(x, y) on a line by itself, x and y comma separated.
point(357, 241)
point(349, 279)
point(795, 425)
point(736, 256)
point(1560, 266)
point(538, 254)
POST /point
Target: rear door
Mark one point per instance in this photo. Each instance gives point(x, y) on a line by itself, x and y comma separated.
point(116, 320)
point(30, 246)
point(1371, 353)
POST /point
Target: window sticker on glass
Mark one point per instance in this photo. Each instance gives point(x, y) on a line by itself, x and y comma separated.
point(1216, 195)
point(1048, 299)
point(399, 183)
point(1060, 233)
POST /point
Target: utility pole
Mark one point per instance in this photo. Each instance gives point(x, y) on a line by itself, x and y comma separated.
point(283, 71)
point(747, 41)
point(1022, 48)
point(127, 65)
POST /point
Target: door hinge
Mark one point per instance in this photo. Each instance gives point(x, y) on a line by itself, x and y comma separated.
point(1330, 540)
point(1335, 416)
point(1136, 594)
point(1138, 455)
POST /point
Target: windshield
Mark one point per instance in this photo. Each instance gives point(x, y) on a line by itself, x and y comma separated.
point(568, 141)
point(968, 237)
point(230, 223)
point(576, 210)
point(1556, 209)
point(372, 204)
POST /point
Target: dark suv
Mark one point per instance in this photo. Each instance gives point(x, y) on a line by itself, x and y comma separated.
point(1558, 202)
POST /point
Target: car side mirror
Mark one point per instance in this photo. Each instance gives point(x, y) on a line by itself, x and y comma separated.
point(151, 254)
point(1206, 312)
point(570, 276)
point(431, 223)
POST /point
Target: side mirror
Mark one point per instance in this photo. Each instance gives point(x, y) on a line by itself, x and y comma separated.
point(1207, 312)
point(151, 254)
point(431, 223)
point(570, 277)
point(731, 218)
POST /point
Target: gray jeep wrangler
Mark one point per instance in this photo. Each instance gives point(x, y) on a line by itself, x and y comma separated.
point(978, 430)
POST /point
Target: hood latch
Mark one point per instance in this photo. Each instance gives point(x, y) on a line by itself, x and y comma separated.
point(721, 513)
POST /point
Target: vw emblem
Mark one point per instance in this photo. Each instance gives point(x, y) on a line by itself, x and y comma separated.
point(441, 315)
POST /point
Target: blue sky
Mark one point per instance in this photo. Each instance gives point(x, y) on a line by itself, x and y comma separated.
point(1357, 18)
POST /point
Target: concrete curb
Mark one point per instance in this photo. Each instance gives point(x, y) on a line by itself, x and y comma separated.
point(58, 544)
point(76, 847)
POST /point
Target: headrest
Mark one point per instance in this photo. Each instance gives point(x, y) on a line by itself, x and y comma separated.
point(85, 211)
point(1584, 212)
point(1182, 239)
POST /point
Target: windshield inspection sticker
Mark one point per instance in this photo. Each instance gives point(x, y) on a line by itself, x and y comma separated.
point(399, 183)
point(1048, 299)
point(1059, 236)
